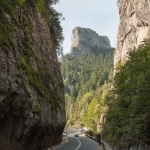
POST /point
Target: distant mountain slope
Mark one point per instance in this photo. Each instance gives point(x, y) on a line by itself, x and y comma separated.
point(86, 71)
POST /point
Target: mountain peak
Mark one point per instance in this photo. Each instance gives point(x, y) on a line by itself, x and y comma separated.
point(84, 40)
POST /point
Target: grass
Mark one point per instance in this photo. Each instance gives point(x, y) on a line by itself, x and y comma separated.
point(5, 34)
point(40, 80)
point(37, 108)
point(26, 88)
point(39, 77)
point(9, 6)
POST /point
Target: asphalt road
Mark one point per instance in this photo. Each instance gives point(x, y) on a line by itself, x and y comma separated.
point(80, 143)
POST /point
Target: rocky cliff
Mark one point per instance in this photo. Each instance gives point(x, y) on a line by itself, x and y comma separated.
point(84, 40)
point(133, 29)
point(134, 26)
point(32, 109)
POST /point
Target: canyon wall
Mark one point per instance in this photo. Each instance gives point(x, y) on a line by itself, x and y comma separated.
point(32, 106)
point(133, 29)
point(134, 26)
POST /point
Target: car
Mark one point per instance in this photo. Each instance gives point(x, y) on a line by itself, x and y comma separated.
point(65, 134)
point(76, 134)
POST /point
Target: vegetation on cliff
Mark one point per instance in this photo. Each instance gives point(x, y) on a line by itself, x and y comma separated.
point(31, 89)
point(40, 78)
point(128, 118)
point(87, 79)
point(47, 11)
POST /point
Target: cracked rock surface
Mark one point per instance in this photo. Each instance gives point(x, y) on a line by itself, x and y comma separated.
point(134, 26)
point(32, 106)
point(84, 40)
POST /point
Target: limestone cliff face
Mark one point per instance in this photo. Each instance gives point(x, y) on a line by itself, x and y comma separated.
point(134, 26)
point(133, 29)
point(32, 109)
point(84, 40)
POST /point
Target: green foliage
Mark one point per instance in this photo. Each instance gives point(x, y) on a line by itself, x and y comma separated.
point(56, 30)
point(31, 67)
point(20, 2)
point(53, 19)
point(93, 114)
point(4, 33)
point(39, 4)
point(10, 6)
point(5, 36)
point(38, 78)
point(37, 108)
point(87, 79)
point(47, 11)
point(85, 73)
point(128, 117)
point(26, 88)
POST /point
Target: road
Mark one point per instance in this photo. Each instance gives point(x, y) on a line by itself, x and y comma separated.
point(80, 143)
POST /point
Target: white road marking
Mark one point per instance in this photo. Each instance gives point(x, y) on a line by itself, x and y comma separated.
point(79, 144)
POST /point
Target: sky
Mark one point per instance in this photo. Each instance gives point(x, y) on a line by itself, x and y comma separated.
point(102, 16)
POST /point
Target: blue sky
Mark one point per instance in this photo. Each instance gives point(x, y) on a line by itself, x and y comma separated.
point(99, 15)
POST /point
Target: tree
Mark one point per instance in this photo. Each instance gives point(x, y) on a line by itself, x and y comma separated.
point(81, 75)
point(129, 112)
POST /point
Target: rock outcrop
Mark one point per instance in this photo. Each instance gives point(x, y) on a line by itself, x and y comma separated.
point(32, 107)
point(134, 26)
point(84, 40)
point(133, 29)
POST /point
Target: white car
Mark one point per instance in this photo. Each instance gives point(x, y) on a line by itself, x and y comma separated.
point(76, 134)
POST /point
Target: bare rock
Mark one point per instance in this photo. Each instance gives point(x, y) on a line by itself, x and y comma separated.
point(84, 40)
point(134, 26)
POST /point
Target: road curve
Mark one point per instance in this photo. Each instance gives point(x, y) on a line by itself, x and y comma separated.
point(80, 143)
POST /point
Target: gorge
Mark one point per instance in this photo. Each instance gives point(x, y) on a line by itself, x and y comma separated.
point(94, 85)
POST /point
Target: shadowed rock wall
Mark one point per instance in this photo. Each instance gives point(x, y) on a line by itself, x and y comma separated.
point(32, 107)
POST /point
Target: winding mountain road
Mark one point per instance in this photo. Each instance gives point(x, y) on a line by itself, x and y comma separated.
point(80, 143)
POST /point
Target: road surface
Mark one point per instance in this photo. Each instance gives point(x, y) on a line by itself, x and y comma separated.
point(80, 143)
